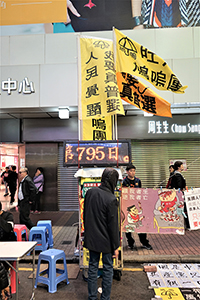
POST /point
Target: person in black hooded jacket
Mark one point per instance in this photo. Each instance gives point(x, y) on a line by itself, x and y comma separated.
point(101, 231)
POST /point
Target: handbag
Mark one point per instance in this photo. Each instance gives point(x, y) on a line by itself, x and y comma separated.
point(38, 188)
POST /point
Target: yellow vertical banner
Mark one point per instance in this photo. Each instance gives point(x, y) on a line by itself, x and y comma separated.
point(16, 12)
point(137, 60)
point(97, 129)
point(99, 94)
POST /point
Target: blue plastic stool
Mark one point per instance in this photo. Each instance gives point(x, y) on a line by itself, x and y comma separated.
point(47, 224)
point(39, 234)
point(51, 256)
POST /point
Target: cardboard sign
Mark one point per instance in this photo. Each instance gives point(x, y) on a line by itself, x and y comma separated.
point(175, 276)
point(169, 293)
point(192, 199)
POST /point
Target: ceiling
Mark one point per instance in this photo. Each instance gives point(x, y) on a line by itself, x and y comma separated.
point(52, 112)
point(34, 113)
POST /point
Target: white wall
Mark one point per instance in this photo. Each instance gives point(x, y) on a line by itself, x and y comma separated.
point(50, 62)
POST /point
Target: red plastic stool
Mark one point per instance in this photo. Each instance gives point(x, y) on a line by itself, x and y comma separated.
point(19, 231)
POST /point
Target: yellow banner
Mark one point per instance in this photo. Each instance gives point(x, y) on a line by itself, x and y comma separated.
point(16, 12)
point(137, 60)
point(99, 90)
point(136, 93)
point(169, 293)
point(97, 129)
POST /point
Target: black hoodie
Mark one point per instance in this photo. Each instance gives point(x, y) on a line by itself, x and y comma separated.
point(101, 215)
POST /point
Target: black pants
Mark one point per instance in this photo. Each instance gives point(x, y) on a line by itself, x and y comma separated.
point(24, 214)
point(142, 237)
point(36, 205)
point(12, 192)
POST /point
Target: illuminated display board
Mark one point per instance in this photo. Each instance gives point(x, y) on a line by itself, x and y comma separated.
point(87, 153)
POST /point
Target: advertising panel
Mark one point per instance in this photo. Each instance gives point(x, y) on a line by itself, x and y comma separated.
point(98, 15)
point(16, 12)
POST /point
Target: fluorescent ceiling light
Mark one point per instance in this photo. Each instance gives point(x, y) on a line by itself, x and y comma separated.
point(63, 113)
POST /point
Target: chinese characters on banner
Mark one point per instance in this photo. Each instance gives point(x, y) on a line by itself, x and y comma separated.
point(136, 59)
point(192, 199)
point(97, 129)
point(136, 93)
point(15, 12)
point(99, 90)
point(153, 211)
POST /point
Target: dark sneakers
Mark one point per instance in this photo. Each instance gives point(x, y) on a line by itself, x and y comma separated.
point(147, 246)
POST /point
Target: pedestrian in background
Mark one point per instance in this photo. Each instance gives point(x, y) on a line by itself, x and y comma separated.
point(133, 182)
point(101, 232)
point(12, 182)
point(26, 197)
point(171, 170)
point(178, 181)
point(4, 177)
point(38, 180)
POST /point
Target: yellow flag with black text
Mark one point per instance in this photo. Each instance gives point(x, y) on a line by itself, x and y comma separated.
point(138, 94)
point(99, 93)
point(137, 60)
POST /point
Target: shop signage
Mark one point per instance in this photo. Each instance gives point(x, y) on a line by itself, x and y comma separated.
point(25, 86)
point(90, 153)
point(178, 127)
point(157, 127)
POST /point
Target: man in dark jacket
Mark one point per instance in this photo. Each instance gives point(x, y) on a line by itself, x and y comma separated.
point(101, 231)
point(133, 182)
point(26, 196)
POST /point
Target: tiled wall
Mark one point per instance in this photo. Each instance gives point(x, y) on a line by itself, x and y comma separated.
point(50, 61)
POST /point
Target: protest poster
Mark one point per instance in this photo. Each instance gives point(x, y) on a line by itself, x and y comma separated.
point(152, 210)
point(192, 200)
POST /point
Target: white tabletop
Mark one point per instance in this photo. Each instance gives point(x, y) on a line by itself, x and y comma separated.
point(15, 250)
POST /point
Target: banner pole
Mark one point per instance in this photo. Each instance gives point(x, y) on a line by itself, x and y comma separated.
point(114, 53)
point(79, 88)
